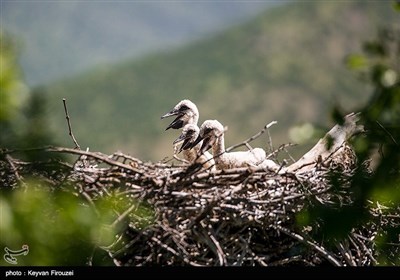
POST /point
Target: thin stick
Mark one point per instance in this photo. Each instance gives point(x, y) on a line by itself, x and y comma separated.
point(124, 215)
point(14, 169)
point(171, 250)
point(180, 159)
point(346, 254)
point(247, 141)
point(271, 148)
point(300, 238)
point(93, 155)
point(387, 132)
point(69, 125)
point(85, 195)
point(220, 252)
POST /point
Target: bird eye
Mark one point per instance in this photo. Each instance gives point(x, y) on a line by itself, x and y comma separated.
point(183, 108)
point(207, 130)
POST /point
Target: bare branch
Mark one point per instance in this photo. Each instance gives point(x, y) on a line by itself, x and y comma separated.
point(346, 253)
point(69, 125)
point(13, 168)
point(387, 132)
point(247, 141)
point(329, 256)
point(99, 156)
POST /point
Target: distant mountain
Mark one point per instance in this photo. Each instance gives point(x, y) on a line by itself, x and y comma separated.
point(59, 38)
point(286, 65)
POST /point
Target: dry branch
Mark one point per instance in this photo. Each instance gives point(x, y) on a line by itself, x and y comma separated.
point(254, 137)
point(332, 143)
point(69, 125)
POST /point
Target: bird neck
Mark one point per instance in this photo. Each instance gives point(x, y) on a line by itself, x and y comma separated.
point(195, 119)
point(190, 154)
point(219, 146)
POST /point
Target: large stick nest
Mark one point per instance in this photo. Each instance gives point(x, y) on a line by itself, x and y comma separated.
point(228, 217)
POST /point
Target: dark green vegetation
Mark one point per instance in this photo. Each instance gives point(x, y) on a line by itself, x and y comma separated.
point(286, 65)
point(58, 228)
point(379, 66)
point(56, 225)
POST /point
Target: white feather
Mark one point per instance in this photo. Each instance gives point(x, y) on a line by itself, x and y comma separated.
point(213, 132)
point(190, 132)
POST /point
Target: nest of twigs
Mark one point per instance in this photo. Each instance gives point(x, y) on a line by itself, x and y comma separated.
point(239, 217)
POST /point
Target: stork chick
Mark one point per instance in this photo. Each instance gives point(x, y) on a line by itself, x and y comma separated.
point(189, 135)
point(186, 112)
point(212, 134)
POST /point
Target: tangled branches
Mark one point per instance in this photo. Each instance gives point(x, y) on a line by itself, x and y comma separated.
point(200, 218)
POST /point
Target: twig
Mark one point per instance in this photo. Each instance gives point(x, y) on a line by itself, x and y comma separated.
point(93, 155)
point(123, 215)
point(387, 132)
point(247, 141)
point(221, 255)
point(180, 159)
point(285, 261)
point(346, 254)
point(281, 148)
point(87, 197)
point(14, 169)
point(69, 125)
point(300, 238)
point(169, 249)
point(356, 239)
point(271, 148)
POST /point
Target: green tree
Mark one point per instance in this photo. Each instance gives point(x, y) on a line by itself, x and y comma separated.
point(58, 227)
point(381, 116)
point(376, 181)
point(23, 118)
point(13, 91)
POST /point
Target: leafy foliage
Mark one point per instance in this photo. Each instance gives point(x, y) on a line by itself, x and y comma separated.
point(23, 114)
point(58, 228)
point(13, 91)
point(377, 179)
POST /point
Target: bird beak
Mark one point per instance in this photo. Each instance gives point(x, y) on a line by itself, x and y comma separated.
point(179, 139)
point(177, 123)
point(197, 141)
point(206, 145)
point(173, 112)
point(186, 145)
point(186, 142)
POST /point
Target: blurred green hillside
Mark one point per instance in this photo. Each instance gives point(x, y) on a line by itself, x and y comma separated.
point(58, 38)
point(285, 65)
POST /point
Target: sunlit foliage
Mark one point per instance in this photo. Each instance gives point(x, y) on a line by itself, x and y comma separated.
point(376, 182)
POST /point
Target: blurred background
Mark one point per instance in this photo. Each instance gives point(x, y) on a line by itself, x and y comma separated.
point(122, 65)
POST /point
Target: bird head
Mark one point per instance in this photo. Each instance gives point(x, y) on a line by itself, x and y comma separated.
point(186, 112)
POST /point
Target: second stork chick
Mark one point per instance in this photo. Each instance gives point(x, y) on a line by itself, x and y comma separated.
point(191, 152)
point(212, 135)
